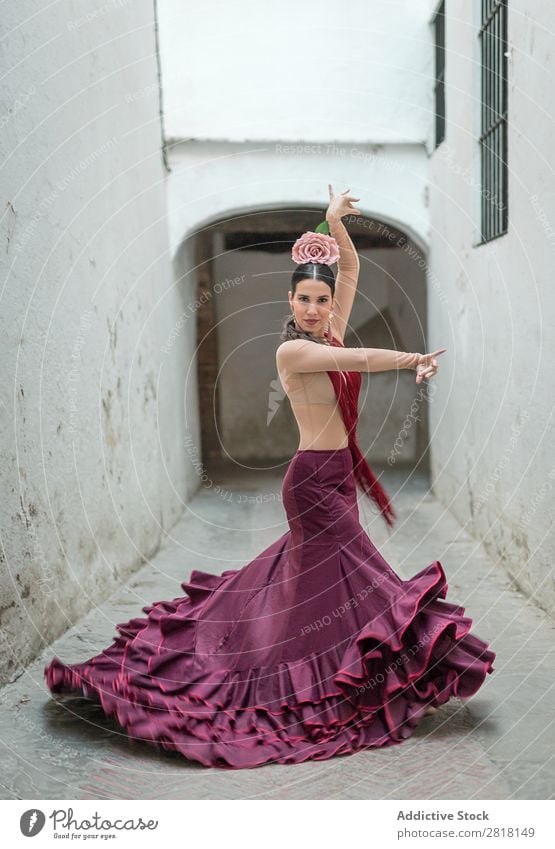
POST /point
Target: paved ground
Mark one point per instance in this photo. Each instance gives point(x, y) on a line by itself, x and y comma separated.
point(498, 745)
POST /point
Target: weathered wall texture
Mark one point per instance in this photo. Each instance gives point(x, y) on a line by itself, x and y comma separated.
point(494, 307)
point(92, 455)
point(311, 72)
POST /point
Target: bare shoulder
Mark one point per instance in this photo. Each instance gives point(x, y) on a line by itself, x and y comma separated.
point(289, 350)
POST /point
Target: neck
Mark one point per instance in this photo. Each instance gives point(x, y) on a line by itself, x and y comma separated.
point(323, 338)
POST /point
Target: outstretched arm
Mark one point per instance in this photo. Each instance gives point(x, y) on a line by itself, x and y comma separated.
point(348, 263)
point(301, 355)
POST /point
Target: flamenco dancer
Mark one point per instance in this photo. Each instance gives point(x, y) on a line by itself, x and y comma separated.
point(316, 647)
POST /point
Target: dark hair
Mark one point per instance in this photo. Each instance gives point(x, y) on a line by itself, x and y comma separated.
point(314, 271)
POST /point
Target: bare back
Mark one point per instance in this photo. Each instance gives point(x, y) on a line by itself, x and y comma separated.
point(314, 405)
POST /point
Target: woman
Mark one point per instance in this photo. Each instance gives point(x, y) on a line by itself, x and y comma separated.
point(316, 647)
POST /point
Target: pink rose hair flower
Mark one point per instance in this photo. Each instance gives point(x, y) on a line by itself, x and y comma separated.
point(315, 247)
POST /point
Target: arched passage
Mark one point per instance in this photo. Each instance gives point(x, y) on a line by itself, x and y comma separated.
point(243, 266)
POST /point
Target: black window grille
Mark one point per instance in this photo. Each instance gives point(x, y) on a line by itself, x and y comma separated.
point(493, 129)
point(439, 87)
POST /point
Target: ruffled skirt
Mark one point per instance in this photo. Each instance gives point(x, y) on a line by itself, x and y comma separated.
point(313, 649)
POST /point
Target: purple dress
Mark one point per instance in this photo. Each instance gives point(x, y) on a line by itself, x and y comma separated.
point(313, 649)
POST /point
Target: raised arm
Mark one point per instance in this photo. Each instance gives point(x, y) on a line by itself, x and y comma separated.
point(347, 278)
point(348, 263)
point(300, 355)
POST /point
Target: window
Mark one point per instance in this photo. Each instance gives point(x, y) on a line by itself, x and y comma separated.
point(439, 88)
point(493, 128)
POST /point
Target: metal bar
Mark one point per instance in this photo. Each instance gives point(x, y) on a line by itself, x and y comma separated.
point(505, 86)
point(497, 150)
point(493, 138)
point(495, 124)
point(489, 14)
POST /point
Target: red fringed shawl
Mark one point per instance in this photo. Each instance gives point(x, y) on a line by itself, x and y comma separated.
point(347, 387)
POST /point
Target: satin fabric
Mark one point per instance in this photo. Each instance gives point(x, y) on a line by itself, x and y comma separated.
point(316, 648)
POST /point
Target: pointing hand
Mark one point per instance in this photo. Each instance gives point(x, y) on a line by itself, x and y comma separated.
point(427, 366)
